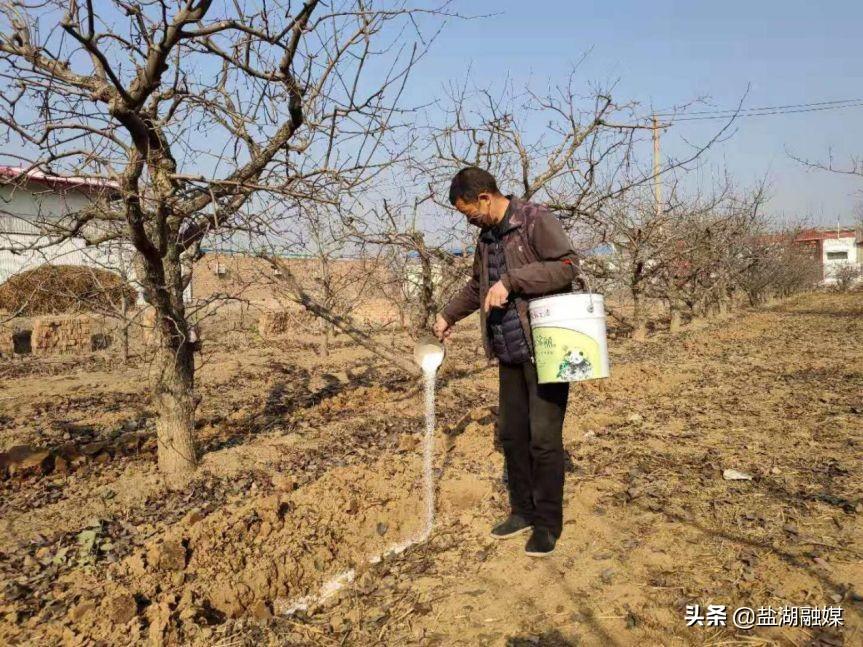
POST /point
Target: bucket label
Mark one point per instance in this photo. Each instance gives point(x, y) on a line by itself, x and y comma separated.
point(538, 314)
point(565, 355)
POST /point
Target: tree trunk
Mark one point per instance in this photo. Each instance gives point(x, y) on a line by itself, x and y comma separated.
point(427, 316)
point(709, 310)
point(674, 321)
point(173, 382)
point(126, 323)
point(175, 403)
point(721, 299)
point(126, 344)
point(325, 341)
point(328, 302)
point(639, 325)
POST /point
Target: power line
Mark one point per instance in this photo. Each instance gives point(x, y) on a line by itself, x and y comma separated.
point(729, 112)
point(713, 115)
point(764, 113)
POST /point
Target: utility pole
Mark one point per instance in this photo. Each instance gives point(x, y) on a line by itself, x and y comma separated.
point(657, 187)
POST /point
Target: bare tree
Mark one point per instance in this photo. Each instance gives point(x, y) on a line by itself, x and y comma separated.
point(771, 263)
point(846, 276)
point(644, 249)
point(327, 264)
point(345, 323)
point(573, 150)
point(194, 108)
point(384, 244)
point(710, 236)
point(424, 267)
point(692, 254)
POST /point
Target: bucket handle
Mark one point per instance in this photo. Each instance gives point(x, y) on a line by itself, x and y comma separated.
point(585, 278)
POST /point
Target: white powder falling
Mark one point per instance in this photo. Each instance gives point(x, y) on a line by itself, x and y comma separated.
point(430, 363)
point(430, 377)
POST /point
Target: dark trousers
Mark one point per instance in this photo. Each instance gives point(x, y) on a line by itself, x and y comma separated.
point(531, 433)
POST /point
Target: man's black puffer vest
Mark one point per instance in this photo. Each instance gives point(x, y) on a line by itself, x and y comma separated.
point(504, 327)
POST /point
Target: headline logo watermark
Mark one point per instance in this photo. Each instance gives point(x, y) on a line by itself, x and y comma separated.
point(716, 615)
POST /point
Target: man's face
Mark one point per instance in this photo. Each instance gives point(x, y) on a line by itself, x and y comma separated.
point(477, 212)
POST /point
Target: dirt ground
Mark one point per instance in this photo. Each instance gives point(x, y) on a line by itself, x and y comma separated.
point(311, 466)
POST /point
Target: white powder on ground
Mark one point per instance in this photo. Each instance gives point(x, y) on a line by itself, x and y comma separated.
point(330, 588)
point(430, 364)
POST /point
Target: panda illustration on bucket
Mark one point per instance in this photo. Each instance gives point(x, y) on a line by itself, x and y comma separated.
point(574, 367)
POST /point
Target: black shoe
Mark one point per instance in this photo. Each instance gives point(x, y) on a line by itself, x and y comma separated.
point(541, 543)
point(512, 526)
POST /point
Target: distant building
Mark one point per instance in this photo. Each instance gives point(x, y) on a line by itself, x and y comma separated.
point(832, 249)
point(412, 285)
point(453, 250)
point(31, 204)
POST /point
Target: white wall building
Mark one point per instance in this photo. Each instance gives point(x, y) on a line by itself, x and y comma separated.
point(832, 249)
point(838, 253)
point(31, 205)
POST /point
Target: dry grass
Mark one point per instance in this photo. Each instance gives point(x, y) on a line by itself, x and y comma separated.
point(64, 289)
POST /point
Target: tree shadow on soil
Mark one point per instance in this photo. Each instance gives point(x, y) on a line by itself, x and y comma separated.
point(822, 376)
point(792, 560)
point(845, 313)
point(845, 504)
point(462, 373)
point(290, 393)
point(586, 620)
point(551, 638)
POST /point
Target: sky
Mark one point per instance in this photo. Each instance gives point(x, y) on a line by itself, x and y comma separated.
point(665, 53)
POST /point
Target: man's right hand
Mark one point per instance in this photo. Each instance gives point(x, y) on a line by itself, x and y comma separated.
point(441, 328)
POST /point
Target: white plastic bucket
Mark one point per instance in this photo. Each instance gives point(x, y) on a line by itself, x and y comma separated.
point(569, 339)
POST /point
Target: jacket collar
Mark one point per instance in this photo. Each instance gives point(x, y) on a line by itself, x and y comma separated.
point(512, 219)
point(514, 213)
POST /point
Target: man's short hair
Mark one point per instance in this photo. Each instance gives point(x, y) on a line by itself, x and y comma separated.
point(469, 182)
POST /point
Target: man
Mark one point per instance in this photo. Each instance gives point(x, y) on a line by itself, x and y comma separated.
point(522, 252)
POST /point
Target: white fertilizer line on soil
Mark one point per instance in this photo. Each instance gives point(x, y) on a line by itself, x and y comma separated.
point(331, 587)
